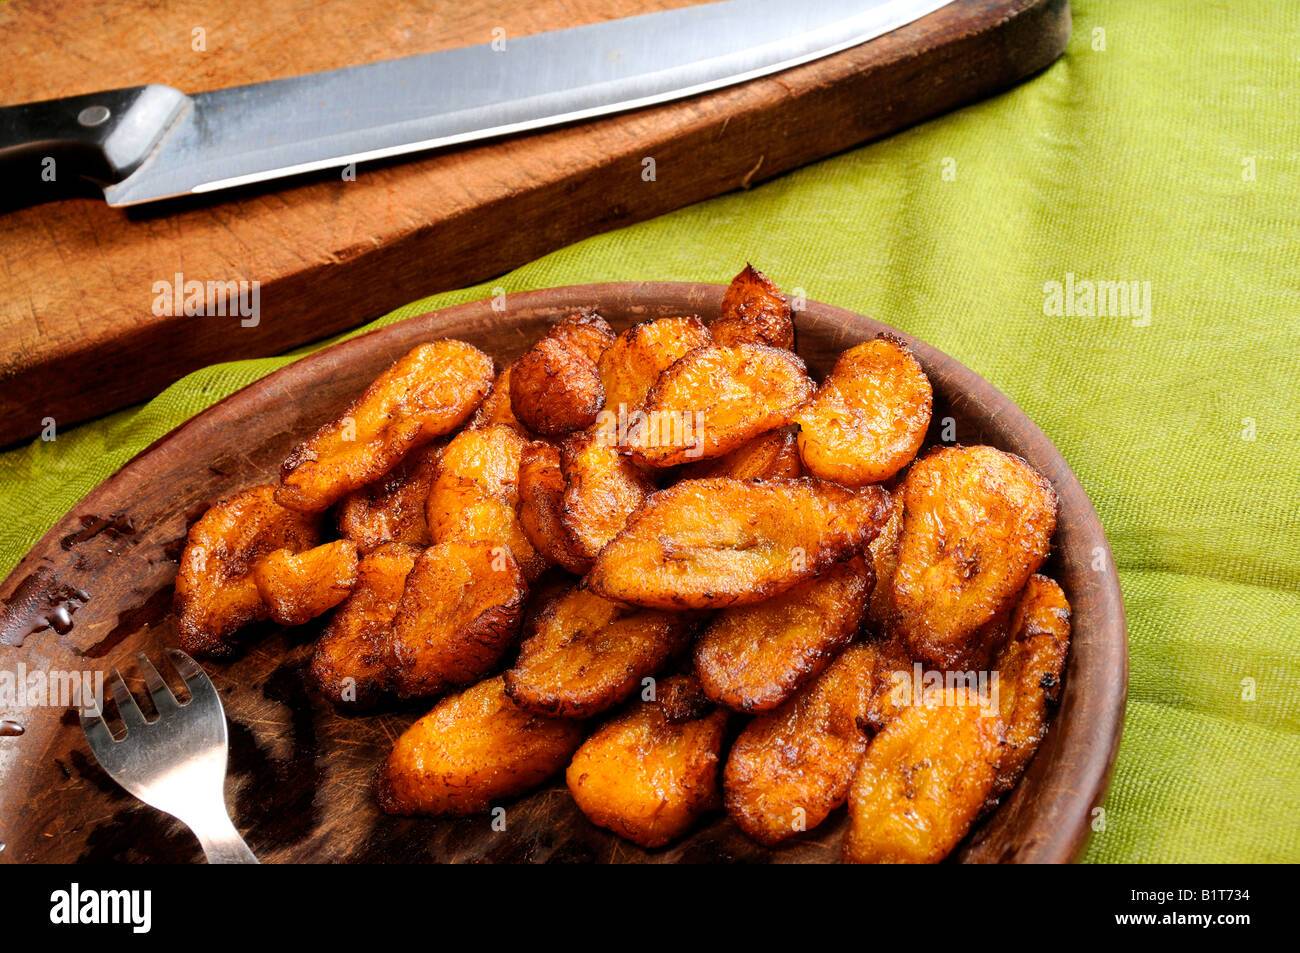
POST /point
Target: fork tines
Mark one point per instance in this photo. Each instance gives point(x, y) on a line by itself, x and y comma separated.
point(164, 700)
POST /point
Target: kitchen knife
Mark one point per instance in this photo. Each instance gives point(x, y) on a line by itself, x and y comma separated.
point(153, 142)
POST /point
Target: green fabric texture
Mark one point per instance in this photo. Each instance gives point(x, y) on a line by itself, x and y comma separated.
point(1162, 148)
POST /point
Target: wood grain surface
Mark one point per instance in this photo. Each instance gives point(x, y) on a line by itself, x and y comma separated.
point(77, 277)
point(98, 587)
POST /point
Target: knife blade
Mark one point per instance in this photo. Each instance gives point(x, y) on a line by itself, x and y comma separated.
point(153, 142)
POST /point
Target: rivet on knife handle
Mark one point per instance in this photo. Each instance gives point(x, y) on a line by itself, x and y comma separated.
point(99, 136)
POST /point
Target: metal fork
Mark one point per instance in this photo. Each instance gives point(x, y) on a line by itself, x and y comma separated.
point(176, 763)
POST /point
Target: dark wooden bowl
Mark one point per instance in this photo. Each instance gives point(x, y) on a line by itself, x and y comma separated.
point(98, 587)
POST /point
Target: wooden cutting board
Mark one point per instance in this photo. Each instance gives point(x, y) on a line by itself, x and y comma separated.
point(77, 279)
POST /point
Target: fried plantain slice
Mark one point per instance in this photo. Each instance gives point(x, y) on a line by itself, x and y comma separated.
point(883, 551)
point(541, 497)
point(475, 497)
point(555, 390)
point(709, 544)
point(771, 456)
point(752, 658)
point(791, 767)
point(648, 773)
point(601, 490)
point(496, 408)
point(584, 332)
point(476, 464)
point(754, 312)
point(555, 387)
point(631, 365)
point(349, 664)
point(715, 399)
point(869, 417)
point(977, 523)
point(392, 509)
point(1030, 668)
point(216, 593)
point(472, 749)
point(430, 391)
point(587, 654)
point(459, 613)
point(297, 587)
point(923, 781)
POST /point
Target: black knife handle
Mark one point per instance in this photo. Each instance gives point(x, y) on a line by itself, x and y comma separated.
point(101, 136)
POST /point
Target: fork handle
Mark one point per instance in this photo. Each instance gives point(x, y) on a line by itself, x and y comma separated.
point(220, 841)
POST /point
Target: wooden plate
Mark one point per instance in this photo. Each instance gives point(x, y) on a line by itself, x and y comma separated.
point(98, 587)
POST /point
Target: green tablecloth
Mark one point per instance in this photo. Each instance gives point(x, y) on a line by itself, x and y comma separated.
point(1163, 149)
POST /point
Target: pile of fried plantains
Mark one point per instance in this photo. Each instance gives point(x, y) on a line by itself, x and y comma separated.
point(671, 563)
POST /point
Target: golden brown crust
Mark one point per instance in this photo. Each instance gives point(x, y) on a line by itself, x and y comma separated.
point(476, 464)
point(869, 417)
point(646, 777)
point(430, 391)
point(923, 782)
point(602, 488)
point(769, 457)
point(349, 664)
point(554, 386)
point(1030, 668)
point(459, 614)
point(475, 498)
point(216, 593)
point(297, 587)
point(715, 399)
point(555, 390)
point(471, 750)
point(709, 544)
point(977, 523)
point(752, 658)
point(754, 312)
point(681, 699)
point(791, 767)
point(631, 365)
point(588, 654)
point(392, 509)
point(584, 332)
point(541, 498)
